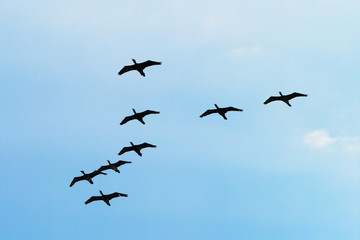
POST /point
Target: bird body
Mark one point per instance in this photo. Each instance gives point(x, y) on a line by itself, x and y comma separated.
point(88, 177)
point(113, 166)
point(136, 148)
point(105, 198)
point(138, 67)
point(285, 98)
point(220, 111)
point(138, 116)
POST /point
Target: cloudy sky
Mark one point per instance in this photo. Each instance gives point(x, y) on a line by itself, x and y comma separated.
point(270, 172)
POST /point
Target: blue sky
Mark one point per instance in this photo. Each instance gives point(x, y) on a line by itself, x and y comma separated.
point(270, 172)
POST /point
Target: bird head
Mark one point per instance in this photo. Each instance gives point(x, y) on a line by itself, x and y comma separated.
point(134, 61)
point(134, 111)
point(280, 93)
point(108, 162)
point(216, 106)
point(82, 172)
point(101, 193)
point(131, 143)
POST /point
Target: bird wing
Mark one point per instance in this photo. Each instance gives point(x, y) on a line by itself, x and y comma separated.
point(232, 109)
point(95, 173)
point(149, 63)
point(295, 94)
point(125, 149)
point(208, 112)
point(93, 198)
point(147, 112)
point(145, 145)
point(271, 99)
point(126, 69)
point(103, 168)
point(126, 119)
point(120, 162)
point(116, 194)
point(76, 179)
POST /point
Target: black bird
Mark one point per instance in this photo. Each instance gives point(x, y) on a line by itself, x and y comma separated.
point(138, 116)
point(220, 111)
point(285, 98)
point(136, 148)
point(138, 67)
point(113, 166)
point(105, 198)
point(88, 177)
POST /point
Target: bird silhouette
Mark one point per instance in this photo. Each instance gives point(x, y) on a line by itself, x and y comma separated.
point(284, 98)
point(220, 111)
point(105, 198)
point(138, 67)
point(113, 166)
point(138, 116)
point(136, 148)
point(88, 177)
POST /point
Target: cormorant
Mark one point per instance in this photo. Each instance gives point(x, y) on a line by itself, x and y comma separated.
point(138, 116)
point(88, 177)
point(113, 166)
point(105, 198)
point(136, 148)
point(285, 98)
point(220, 111)
point(138, 67)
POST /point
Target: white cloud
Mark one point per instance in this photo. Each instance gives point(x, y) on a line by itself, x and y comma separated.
point(318, 139)
point(247, 51)
point(351, 144)
point(321, 139)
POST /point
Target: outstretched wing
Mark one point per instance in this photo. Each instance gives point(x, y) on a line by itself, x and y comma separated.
point(126, 69)
point(295, 94)
point(126, 119)
point(125, 149)
point(93, 198)
point(271, 99)
point(103, 168)
point(149, 63)
point(233, 109)
point(147, 112)
point(95, 173)
point(120, 162)
point(208, 112)
point(146, 145)
point(76, 179)
point(116, 194)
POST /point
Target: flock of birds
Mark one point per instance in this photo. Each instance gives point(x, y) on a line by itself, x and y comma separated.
point(140, 117)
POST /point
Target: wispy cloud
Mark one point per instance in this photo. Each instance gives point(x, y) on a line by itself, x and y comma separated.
point(247, 51)
point(322, 139)
point(318, 139)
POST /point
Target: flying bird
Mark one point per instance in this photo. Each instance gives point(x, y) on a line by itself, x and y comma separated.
point(88, 177)
point(105, 198)
point(138, 67)
point(285, 98)
point(138, 116)
point(113, 166)
point(136, 148)
point(220, 111)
